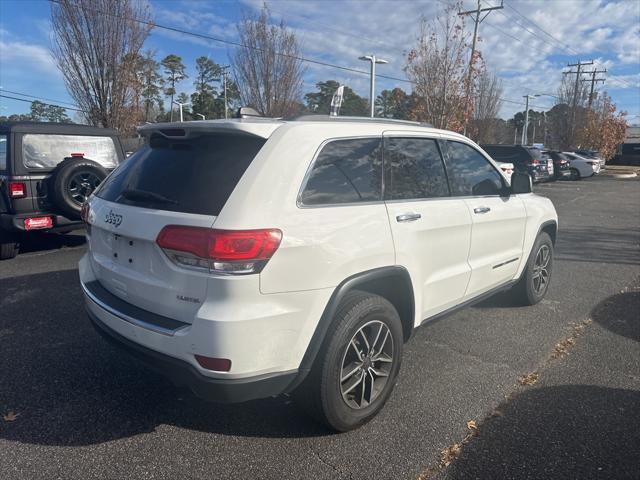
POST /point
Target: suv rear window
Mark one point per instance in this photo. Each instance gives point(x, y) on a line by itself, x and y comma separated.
point(193, 175)
point(46, 150)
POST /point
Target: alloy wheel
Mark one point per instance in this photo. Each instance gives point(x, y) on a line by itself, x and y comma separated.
point(541, 269)
point(82, 185)
point(366, 364)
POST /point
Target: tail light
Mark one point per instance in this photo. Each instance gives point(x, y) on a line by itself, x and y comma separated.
point(77, 155)
point(84, 216)
point(17, 189)
point(84, 213)
point(222, 251)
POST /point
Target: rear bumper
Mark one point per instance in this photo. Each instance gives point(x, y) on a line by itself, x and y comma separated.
point(15, 222)
point(183, 374)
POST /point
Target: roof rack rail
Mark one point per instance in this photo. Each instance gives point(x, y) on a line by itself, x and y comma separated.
point(329, 118)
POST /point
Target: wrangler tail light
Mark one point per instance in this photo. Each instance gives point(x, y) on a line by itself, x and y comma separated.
point(17, 189)
point(221, 251)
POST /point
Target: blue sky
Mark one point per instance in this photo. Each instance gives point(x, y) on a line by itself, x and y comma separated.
point(527, 43)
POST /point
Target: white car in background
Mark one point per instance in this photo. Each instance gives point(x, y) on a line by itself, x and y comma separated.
point(581, 167)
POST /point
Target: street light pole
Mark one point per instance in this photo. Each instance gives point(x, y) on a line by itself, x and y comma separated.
point(372, 81)
point(181, 105)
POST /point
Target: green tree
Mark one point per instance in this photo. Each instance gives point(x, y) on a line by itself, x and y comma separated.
point(174, 71)
point(150, 80)
point(393, 104)
point(44, 112)
point(320, 101)
point(204, 98)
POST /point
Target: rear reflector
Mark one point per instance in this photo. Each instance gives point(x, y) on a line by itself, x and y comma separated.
point(77, 155)
point(217, 364)
point(35, 223)
point(17, 189)
point(227, 251)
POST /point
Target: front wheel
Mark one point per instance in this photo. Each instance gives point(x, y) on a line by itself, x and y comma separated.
point(356, 369)
point(534, 283)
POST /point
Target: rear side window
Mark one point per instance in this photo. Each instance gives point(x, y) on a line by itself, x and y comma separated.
point(46, 150)
point(345, 171)
point(3, 152)
point(414, 169)
point(193, 175)
point(470, 173)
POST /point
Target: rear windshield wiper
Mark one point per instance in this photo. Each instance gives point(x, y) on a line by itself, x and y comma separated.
point(143, 195)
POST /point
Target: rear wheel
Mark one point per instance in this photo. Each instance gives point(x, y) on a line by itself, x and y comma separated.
point(575, 174)
point(9, 247)
point(534, 283)
point(357, 367)
point(74, 181)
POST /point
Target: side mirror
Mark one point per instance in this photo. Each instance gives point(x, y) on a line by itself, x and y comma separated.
point(521, 183)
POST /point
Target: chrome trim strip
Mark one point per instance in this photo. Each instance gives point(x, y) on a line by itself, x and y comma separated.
point(126, 318)
point(505, 263)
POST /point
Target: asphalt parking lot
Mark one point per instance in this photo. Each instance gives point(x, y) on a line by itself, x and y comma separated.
point(71, 406)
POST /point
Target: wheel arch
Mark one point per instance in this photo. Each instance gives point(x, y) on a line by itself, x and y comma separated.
point(551, 228)
point(392, 283)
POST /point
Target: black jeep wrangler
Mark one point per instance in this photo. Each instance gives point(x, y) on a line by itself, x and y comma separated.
point(47, 171)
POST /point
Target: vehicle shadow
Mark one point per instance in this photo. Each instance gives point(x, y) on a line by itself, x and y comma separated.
point(620, 314)
point(40, 242)
point(70, 387)
point(599, 245)
point(568, 431)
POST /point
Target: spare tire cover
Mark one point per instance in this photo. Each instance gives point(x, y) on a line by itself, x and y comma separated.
point(73, 181)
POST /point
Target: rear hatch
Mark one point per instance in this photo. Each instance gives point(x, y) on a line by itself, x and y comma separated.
point(182, 180)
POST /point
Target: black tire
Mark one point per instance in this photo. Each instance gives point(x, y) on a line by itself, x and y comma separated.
point(321, 393)
point(73, 181)
point(575, 174)
point(8, 250)
point(528, 290)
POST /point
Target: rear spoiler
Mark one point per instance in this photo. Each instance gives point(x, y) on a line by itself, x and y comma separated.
point(254, 127)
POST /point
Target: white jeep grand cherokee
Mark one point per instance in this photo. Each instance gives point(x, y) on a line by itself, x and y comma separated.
point(252, 257)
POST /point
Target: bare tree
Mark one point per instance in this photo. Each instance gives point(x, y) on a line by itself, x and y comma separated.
point(267, 67)
point(486, 106)
point(438, 66)
point(96, 47)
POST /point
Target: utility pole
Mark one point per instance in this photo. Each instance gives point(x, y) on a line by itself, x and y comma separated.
point(526, 118)
point(593, 81)
point(477, 21)
point(574, 103)
point(223, 74)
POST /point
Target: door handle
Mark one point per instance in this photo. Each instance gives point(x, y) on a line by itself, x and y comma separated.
point(408, 217)
point(481, 210)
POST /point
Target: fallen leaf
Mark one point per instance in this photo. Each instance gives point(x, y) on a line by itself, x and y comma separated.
point(10, 416)
point(471, 425)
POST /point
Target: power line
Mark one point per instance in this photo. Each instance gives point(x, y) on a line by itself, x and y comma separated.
point(37, 98)
point(49, 104)
point(235, 44)
point(565, 46)
point(239, 44)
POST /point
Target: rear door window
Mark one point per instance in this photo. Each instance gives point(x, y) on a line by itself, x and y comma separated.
point(470, 173)
point(345, 171)
point(46, 151)
point(414, 169)
point(193, 175)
